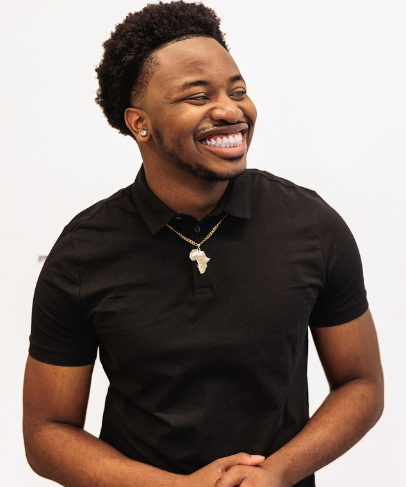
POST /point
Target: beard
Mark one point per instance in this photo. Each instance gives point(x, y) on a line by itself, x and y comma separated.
point(196, 169)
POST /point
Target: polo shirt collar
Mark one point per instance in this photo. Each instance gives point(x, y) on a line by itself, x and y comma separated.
point(155, 213)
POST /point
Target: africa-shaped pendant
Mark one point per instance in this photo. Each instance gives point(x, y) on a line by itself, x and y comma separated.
point(201, 258)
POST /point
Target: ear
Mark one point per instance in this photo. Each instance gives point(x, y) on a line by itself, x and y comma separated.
point(137, 120)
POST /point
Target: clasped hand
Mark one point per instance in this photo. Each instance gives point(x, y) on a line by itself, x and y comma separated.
point(240, 469)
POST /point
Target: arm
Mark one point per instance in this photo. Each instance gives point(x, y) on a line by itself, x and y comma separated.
point(350, 357)
point(57, 447)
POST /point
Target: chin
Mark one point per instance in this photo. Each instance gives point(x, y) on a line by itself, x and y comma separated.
point(206, 174)
point(213, 176)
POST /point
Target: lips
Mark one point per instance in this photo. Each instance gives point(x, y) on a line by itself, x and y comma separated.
point(225, 151)
point(223, 131)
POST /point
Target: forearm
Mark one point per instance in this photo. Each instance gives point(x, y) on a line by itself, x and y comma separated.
point(74, 458)
point(343, 419)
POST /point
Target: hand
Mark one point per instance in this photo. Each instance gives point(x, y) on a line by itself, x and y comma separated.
point(248, 476)
point(208, 475)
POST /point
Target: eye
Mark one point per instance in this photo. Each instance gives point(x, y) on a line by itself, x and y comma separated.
point(200, 98)
point(239, 94)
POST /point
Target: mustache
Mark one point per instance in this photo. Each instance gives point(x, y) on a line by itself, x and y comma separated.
point(221, 126)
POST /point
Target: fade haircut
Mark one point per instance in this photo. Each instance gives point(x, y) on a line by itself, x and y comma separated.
point(127, 62)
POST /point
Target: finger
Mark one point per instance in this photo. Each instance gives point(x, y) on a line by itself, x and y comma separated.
point(235, 476)
point(240, 459)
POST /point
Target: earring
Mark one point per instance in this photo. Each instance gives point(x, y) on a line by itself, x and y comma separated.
point(144, 133)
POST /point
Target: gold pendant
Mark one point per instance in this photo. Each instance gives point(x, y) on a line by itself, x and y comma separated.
point(201, 258)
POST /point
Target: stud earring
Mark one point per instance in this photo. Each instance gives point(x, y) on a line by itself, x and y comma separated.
point(144, 133)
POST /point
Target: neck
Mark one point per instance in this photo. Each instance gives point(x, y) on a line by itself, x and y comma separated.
point(183, 192)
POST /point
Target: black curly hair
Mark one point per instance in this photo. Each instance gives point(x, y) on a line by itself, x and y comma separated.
point(127, 54)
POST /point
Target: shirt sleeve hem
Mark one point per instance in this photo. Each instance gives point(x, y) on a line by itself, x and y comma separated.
point(53, 358)
point(341, 318)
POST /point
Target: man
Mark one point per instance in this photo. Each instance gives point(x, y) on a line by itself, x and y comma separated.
point(197, 284)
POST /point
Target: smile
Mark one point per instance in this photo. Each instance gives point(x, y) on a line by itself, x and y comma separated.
point(223, 140)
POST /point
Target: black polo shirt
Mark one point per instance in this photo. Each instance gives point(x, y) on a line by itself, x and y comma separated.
point(200, 366)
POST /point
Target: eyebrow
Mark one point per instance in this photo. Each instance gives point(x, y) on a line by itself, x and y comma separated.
point(203, 82)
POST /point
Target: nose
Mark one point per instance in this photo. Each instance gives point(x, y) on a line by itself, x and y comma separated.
point(226, 109)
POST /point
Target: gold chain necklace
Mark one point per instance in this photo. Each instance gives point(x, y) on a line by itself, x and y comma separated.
point(198, 254)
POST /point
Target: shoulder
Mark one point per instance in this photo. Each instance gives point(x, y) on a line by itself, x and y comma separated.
point(277, 185)
point(99, 213)
point(285, 191)
point(296, 206)
point(94, 227)
point(286, 199)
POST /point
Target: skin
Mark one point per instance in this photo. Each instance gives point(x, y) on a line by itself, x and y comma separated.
point(190, 178)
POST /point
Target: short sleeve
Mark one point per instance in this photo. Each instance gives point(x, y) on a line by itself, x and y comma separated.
point(59, 333)
point(343, 297)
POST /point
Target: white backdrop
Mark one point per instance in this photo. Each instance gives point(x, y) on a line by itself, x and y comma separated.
point(328, 78)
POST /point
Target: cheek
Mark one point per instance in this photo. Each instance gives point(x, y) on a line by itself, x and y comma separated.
point(250, 110)
point(171, 122)
point(188, 119)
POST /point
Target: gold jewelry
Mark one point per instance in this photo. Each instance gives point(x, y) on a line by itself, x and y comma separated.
point(198, 254)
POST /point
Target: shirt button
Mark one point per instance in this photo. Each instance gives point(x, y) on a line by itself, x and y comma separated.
point(197, 229)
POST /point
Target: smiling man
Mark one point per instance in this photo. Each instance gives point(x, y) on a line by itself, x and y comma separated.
point(198, 284)
point(190, 144)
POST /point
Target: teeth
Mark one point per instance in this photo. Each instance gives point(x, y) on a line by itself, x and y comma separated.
point(231, 141)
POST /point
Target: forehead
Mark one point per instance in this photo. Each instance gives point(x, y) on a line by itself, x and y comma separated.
point(185, 60)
